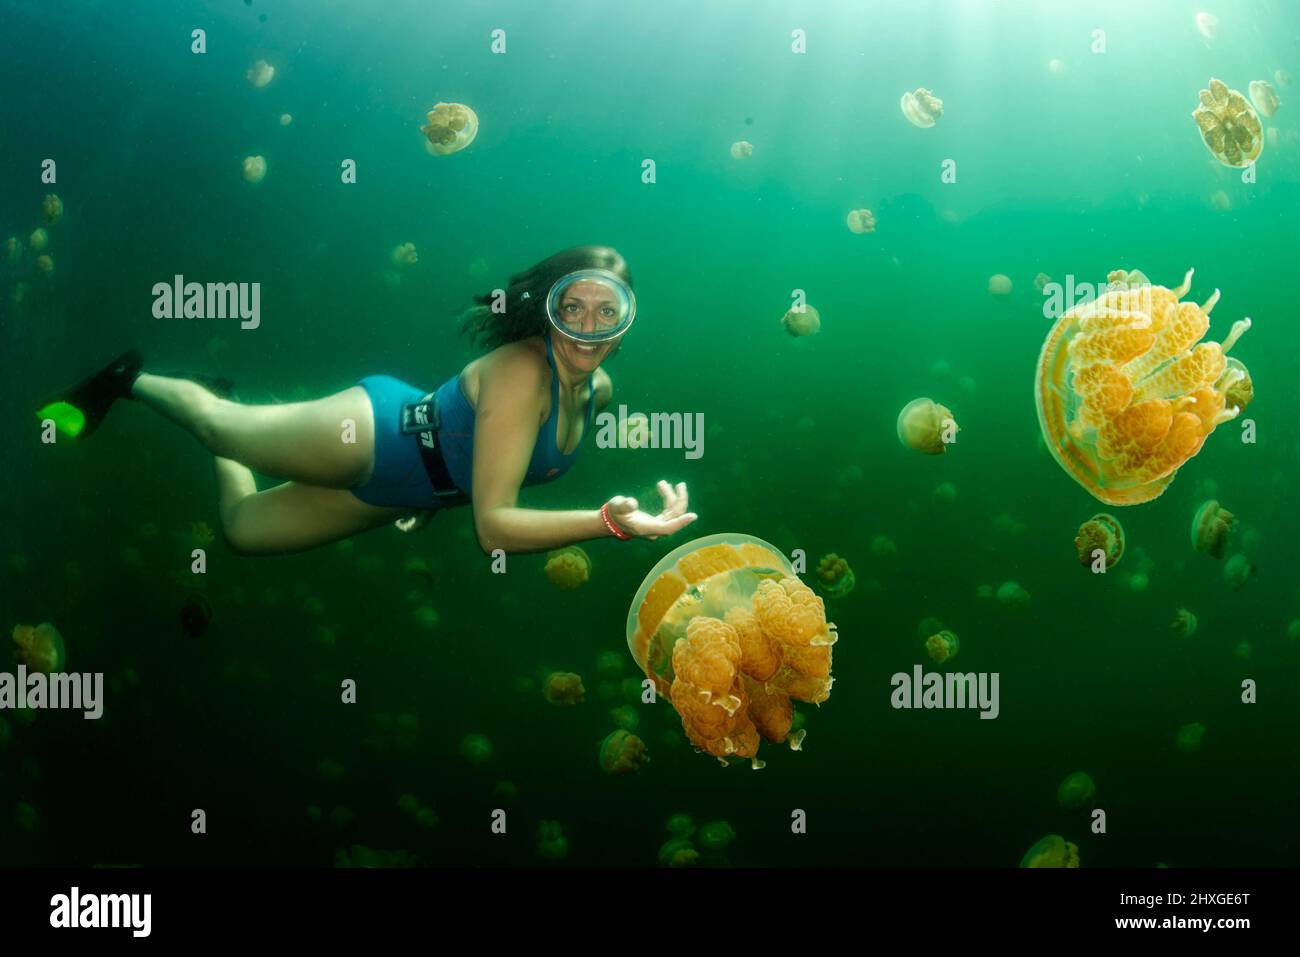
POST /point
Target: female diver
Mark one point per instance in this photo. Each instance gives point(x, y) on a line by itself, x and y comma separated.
point(512, 417)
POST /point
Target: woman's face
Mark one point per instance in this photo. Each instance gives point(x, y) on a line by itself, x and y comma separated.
point(587, 308)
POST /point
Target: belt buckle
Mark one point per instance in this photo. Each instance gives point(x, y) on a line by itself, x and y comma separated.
point(422, 416)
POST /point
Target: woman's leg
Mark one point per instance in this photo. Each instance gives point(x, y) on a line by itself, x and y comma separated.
point(329, 442)
point(290, 517)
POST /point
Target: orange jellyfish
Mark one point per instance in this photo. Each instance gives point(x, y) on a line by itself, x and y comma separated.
point(40, 647)
point(1229, 125)
point(563, 688)
point(927, 427)
point(1125, 393)
point(1101, 533)
point(802, 321)
point(451, 127)
point(862, 221)
point(835, 575)
point(1210, 527)
point(622, 753)
point(730, 635)
point(567, 568)
point(942, 646)
point(1052, 851)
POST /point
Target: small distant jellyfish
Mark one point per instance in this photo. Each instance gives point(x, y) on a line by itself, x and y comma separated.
point(1052, 851)
point(551, 843)
point(1207, 24)
point(680, 825)
point(39, 647)
point(1220, 201)
point(716, 836)
point(945, 492)
point(505, 791)
point(742, 149)
point(940, 368)
point(476, 749)
point(563, 688)
point(260, 74)
point(1102, 532)
point(622, 753)
point(254, 169)
point(625, 717)
point(942, 646)
point(450, 128)
point(45, 264)
point(1238, 570)
point(405, 255)
point(999, 286)
point(1293, 629)
point(38, 240)
point(882, 546)
point(1210, 527)
point(1041, 281)
point(1189, 737)
point(1184, 623)
point(862, 221)
point(1055, 66)
point(921, 107)
point(925, 426)
point(985, 592)
point(13, 250)
point(804, 321)
point(1243, 650)
point(835, 576)
point(1281, 77)
point(678, 852)
point(426, 617)
point(1229, 126)
point(26, 817)
point(286, 119)
point(1010, 593)
point(1138, 581)
point(52, 206)
point(568, 568)
point(1262, 95)
point(1075, 791)
point(609, 664)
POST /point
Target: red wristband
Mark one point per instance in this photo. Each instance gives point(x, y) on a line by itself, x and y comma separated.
point(614, 529)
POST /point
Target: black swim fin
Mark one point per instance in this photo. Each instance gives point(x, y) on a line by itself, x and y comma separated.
point(79, 410)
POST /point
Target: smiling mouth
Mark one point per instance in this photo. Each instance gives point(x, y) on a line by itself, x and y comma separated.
point(587, 350)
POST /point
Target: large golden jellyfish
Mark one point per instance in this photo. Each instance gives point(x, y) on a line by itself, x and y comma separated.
point(1127, 392)
point(451, 128)
point(1229, 125)
point(729, 635)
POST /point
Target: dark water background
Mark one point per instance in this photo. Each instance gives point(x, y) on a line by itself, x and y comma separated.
point(1096, 168)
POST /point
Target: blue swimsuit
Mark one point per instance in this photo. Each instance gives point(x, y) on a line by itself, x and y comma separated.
point(400, 479)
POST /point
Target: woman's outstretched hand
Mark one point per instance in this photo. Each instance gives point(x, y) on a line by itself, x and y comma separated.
point(413, 523)
point(625, 513)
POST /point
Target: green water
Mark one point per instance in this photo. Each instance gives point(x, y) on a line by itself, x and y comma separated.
point(1069, 174)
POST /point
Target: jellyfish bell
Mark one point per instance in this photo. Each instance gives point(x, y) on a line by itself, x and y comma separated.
point(568, 568)
point(13, 250)
point(1075, 791)
point(1220, 201)
point(476, 749)
point(405, 255)
point(1207, 24)
point(1229, 126)
point(622, 752)
point(286, 119)
point(1055, 66)
point(1263, 97)
point(1243, 650)
point(1281, 77)
point(52, 206)
point(1238, 570)
point(450, 127)
point(38, 240)
point(1126, 393)
point(999, 286)
point(921, 107)
point(1041, 281)
point(1190, 737)
point(563, 688)
point(260, 74)
point(861, 221)
point(1052, 851)
point(925, 426)
point(1211, 525)
point(942, 646)
point(1184, 623)
point(835, 576)
point(45, 264)
point(1013, 594)
point(39, 647)
point(1101, 533)
point(254, 169)
point(742, 149)
point(945, 492)
point(802, 321)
